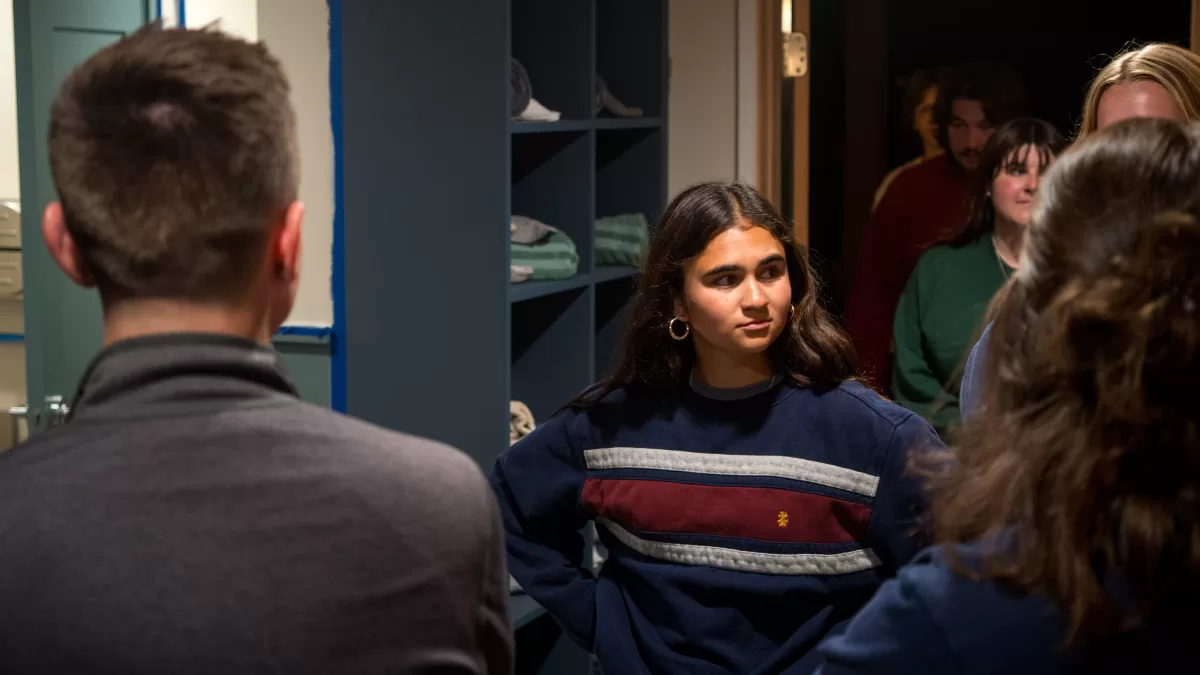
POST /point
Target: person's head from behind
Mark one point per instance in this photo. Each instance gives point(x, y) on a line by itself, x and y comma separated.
point(1158, 80)
point(1005, 184)
point(173, 153)
point(726, 289)
point(920, 95)
point(1086, 450)
point(973, 100)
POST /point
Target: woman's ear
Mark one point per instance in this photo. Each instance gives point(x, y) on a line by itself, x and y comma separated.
point(680, 308)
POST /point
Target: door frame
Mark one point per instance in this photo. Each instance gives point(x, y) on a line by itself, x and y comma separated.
point(769, 121)
point(1194, 42)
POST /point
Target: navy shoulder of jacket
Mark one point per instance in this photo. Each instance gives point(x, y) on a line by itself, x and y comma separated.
point(931, 619)
point(970, 391)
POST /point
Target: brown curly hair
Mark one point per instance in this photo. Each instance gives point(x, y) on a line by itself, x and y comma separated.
point(1085, 454)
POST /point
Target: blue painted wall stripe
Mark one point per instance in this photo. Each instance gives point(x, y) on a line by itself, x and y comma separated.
point(337, 375)
point(322, 332)
point(182, 11)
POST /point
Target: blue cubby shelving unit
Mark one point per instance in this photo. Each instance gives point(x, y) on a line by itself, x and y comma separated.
point(431, 170)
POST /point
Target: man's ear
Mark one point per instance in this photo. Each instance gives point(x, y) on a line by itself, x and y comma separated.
point(286, 247)
point(62, 246)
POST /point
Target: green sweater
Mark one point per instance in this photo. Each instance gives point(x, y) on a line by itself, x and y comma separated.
point(938, 318)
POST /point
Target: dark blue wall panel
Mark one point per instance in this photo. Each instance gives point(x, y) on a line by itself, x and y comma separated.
point(425, 184)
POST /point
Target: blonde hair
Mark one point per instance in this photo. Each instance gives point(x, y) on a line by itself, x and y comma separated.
point(1175, 68)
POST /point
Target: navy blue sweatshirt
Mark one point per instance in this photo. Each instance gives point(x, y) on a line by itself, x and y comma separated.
point(933, 621)
point(740, 533)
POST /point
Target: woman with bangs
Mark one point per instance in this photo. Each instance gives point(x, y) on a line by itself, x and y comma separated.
point(948, 294)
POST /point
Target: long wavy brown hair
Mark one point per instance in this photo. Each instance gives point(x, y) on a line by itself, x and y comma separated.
point(811, 352)
point(1084, 457)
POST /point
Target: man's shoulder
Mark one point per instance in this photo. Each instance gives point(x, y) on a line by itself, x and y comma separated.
point(422, 464)
point(914, 183)
point(271, 442)
point(921, 171)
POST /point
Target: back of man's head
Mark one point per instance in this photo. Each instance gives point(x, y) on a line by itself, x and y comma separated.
point(174, 156)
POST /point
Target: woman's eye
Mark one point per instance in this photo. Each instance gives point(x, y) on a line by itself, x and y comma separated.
point(772, 273)
point(726, 280)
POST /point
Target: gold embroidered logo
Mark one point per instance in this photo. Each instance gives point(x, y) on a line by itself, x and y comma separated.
point(782, 519)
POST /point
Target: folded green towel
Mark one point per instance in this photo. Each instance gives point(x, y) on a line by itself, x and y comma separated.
point(622, 240)
point(555, 257)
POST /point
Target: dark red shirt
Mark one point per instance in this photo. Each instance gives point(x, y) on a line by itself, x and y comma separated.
point(924, 203)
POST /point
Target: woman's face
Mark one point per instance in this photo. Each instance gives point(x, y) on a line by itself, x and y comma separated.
point(737, 294)
point(923, 118)
point(1140, 98)
point(1016, 184)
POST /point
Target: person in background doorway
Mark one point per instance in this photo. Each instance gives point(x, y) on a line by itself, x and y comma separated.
point(193, 515)
point(925, 203)
point(920, 95)
point(1157, 80)
point(944, 303)
point(1067, 518)
point(750, 493)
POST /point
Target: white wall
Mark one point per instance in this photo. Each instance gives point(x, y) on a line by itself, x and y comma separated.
point(12, 354)
point(297, 32)
point(10, 180)
point(236, 17)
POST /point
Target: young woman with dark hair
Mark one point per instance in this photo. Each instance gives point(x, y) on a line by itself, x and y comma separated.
point(946, 297)
point(1069, 517)
point(750, 493)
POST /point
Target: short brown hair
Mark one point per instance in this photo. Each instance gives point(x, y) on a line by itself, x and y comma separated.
point(1084, 457)
point(172, 151)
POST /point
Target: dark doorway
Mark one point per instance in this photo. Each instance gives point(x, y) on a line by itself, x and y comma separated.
point(1057, 45)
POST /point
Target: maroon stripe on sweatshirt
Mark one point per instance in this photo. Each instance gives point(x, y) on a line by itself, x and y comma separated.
point(766, 514)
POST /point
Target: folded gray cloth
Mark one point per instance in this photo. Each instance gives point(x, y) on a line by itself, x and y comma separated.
point(529, 231)
point(522, 89)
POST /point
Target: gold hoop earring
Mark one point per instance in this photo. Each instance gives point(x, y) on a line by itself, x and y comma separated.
point(687, 330)
point(791, 311)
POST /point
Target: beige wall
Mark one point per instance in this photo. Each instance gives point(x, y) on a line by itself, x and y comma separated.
point(702, 129)
point(297, 32)
point(711, 132)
